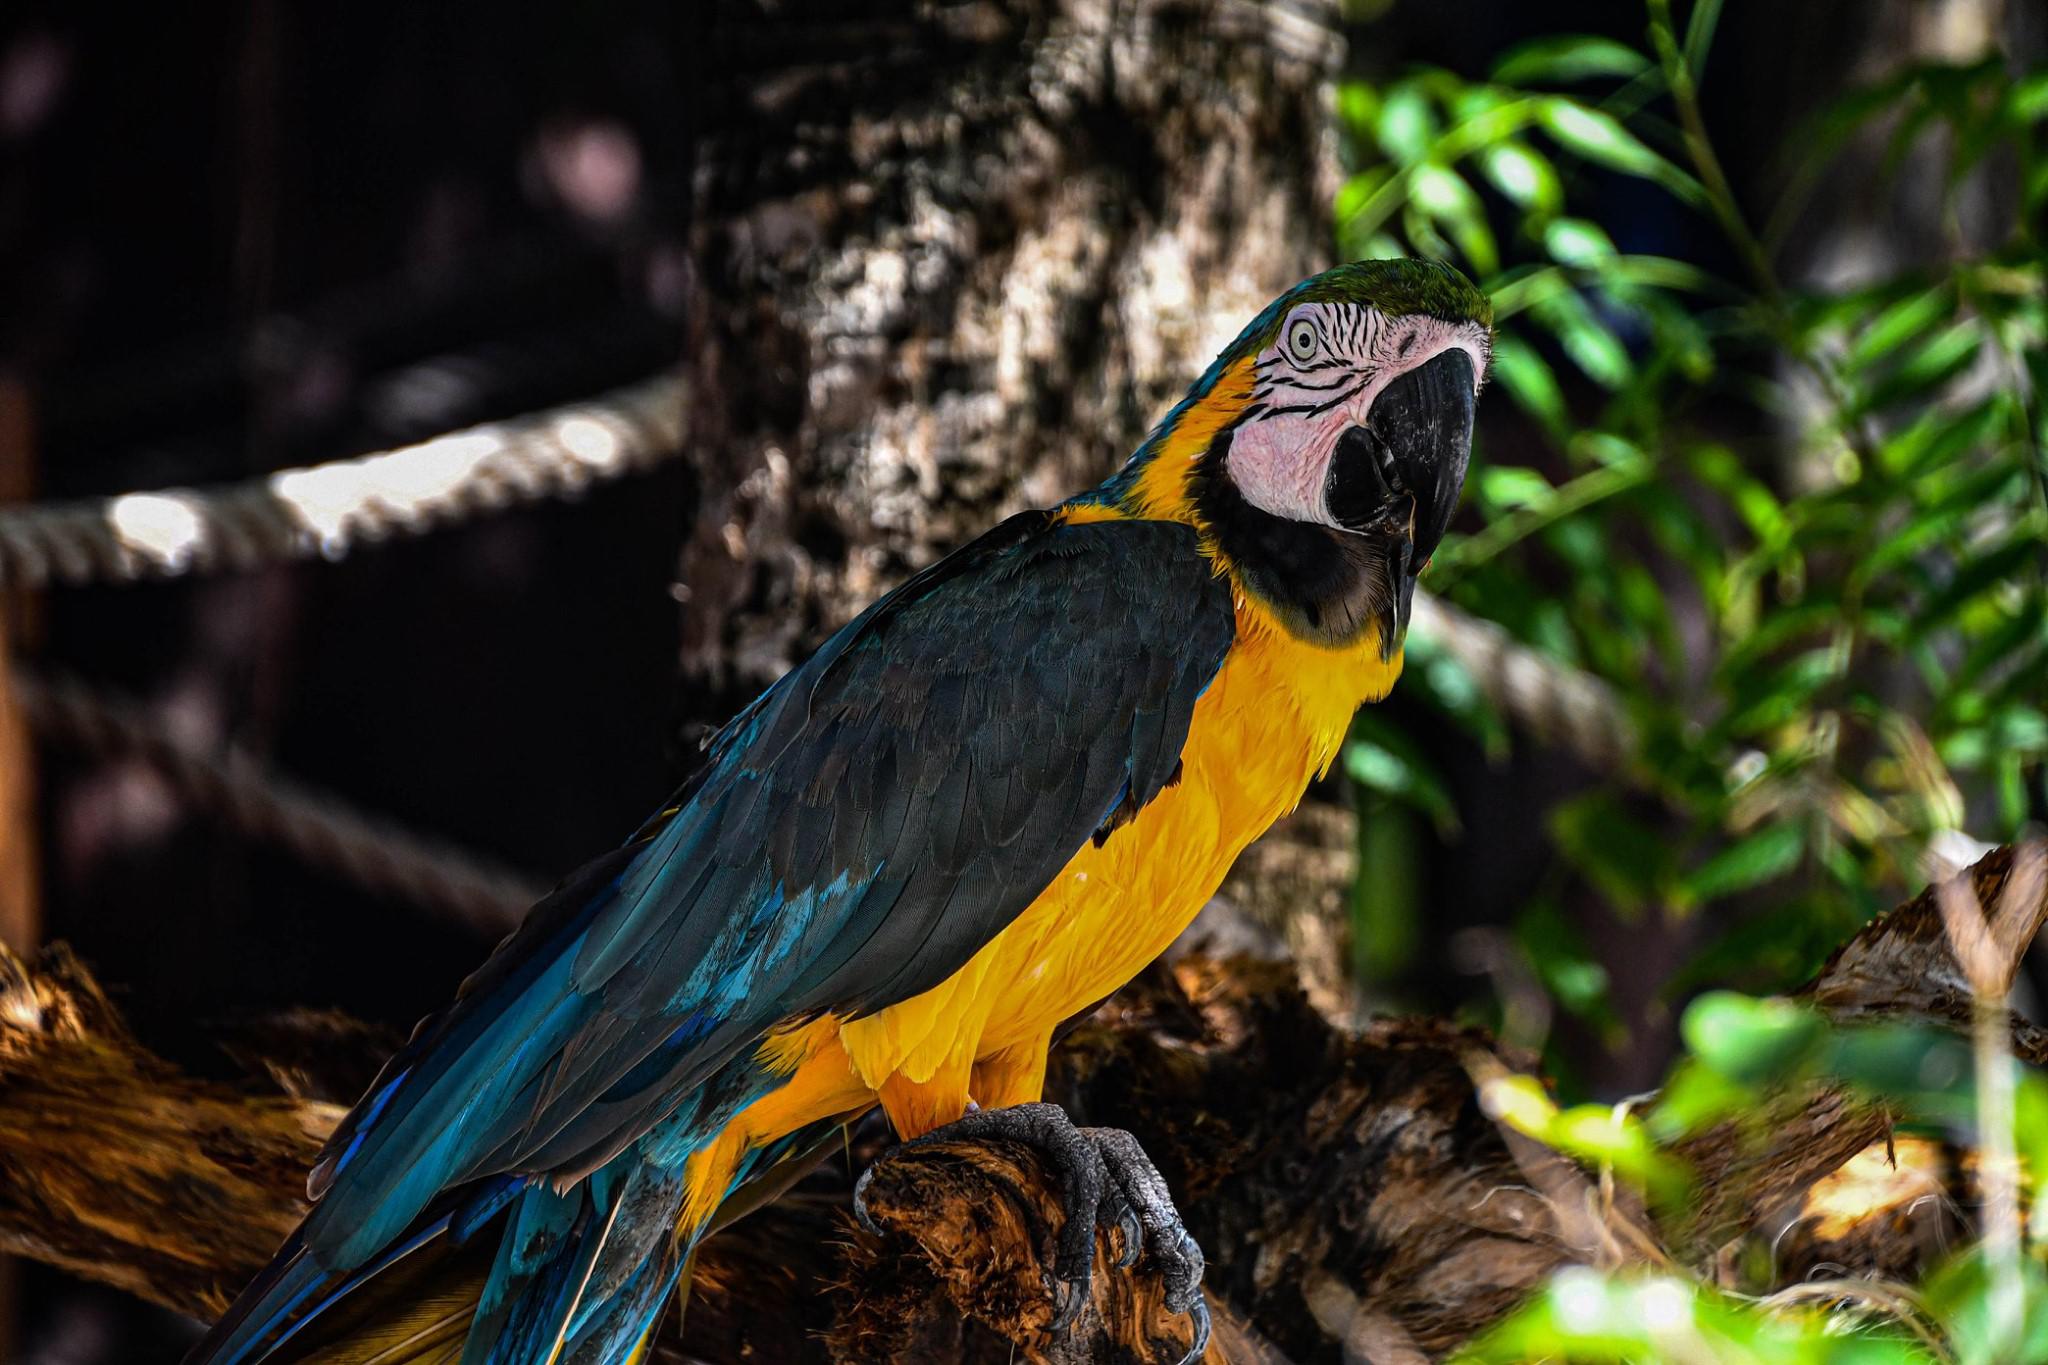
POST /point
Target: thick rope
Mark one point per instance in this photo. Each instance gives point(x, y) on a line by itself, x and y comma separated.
point(1552, 701)
point(1557, 704)
point(374, 853)
point(329, 509)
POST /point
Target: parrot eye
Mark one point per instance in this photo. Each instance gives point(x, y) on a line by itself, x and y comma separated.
point(1301, 340)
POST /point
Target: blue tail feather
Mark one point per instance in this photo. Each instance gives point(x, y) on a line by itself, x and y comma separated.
point(242, 1335)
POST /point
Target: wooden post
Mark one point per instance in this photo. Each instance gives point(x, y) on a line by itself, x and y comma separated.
point(19, 912)
point(20, 870)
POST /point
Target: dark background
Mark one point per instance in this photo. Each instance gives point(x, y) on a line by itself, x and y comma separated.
point(239, 237)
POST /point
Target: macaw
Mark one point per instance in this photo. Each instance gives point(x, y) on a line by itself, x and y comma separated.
point(981, 807)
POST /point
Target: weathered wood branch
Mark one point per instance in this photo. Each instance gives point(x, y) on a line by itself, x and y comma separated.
point(1351, 1189)
point(118, 1167)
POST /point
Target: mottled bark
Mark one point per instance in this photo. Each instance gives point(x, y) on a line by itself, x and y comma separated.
point(1351, 1188)
point(955, 259)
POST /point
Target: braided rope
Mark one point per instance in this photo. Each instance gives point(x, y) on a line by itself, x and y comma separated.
point(1555, 702)
point(374, 853)
point(329, 509)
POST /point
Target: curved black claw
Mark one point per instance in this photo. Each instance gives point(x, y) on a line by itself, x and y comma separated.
point(860, 1202)
point(1167, 1240)
point(1105, 1180)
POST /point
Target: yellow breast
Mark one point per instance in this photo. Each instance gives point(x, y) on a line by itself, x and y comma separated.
point(1271, 721)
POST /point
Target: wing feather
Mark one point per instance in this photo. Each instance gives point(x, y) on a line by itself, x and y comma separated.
point(860, 831)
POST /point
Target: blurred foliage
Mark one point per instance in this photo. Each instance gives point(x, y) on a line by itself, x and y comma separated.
point(1586, 1316)
point(1801, 533)
point(1742, 1052)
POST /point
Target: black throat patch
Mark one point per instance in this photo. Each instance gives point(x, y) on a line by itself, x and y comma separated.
point(1324, 585)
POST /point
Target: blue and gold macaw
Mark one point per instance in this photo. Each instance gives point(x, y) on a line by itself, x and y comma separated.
point(983, 805)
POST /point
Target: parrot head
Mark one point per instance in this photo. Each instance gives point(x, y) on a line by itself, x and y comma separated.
point(1323, 453)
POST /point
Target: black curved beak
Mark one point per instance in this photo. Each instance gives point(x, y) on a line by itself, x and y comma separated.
point(1397, 479)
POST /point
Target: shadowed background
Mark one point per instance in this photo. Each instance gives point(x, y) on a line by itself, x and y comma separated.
point(919, 265)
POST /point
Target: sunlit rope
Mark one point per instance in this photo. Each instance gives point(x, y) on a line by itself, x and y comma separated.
point(239, 789)
point(329, 509)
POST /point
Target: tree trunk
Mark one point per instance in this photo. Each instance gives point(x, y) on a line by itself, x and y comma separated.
point(954, 260)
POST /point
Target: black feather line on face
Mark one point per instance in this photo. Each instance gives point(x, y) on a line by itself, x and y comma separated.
point(1273, 364)
point(1313, 409)
point(1320, 388)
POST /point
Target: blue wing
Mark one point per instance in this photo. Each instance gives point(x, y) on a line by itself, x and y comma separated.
point(857, 834)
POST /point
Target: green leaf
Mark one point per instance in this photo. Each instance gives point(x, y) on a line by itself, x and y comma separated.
point(1941, 359)
point(2027, 101)
point(1574, 241)
point(1382, 759)
point(1443, 194)
point(1596, 136)
point(1406, 124)
point(1972, 489)
point(1987, 572)
point(2019, 635)
point(1521, 288)
point(1920, 532)
point(1661, 272)
point(1961, 1297)
point(1358, 105)
point(1750, 1040)
point(1567, 967)
point(1522, 176)
point(1583, 1315)
point(1601, 139)
point(1566, 57)
point(1898, 324)
point(1723, 471)
point(1442, 679)
point(2021, 730)
point(1589, 342)
point(1353, 193)
point(1699, 36)
point(1387, 904)
point(1696, 1096)
point(1756, 858)
point(1929, 1072)
point(1527, 378)
point(1765, 702)
point(1504, 487)
point(2012, 807)
point(1627, 861)
point(1602, 1135)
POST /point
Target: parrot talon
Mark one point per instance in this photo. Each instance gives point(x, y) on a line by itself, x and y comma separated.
point(1166, 1238)
point(1198, 1317)
point(860, 1203)
point(1132, 1234)
point(1104, 1180)
point(1068, 1297)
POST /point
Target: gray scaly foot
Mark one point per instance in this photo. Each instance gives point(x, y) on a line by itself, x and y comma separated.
point(1104, 1180)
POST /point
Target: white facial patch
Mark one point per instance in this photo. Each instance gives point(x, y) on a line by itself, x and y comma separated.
point(1316, 381)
